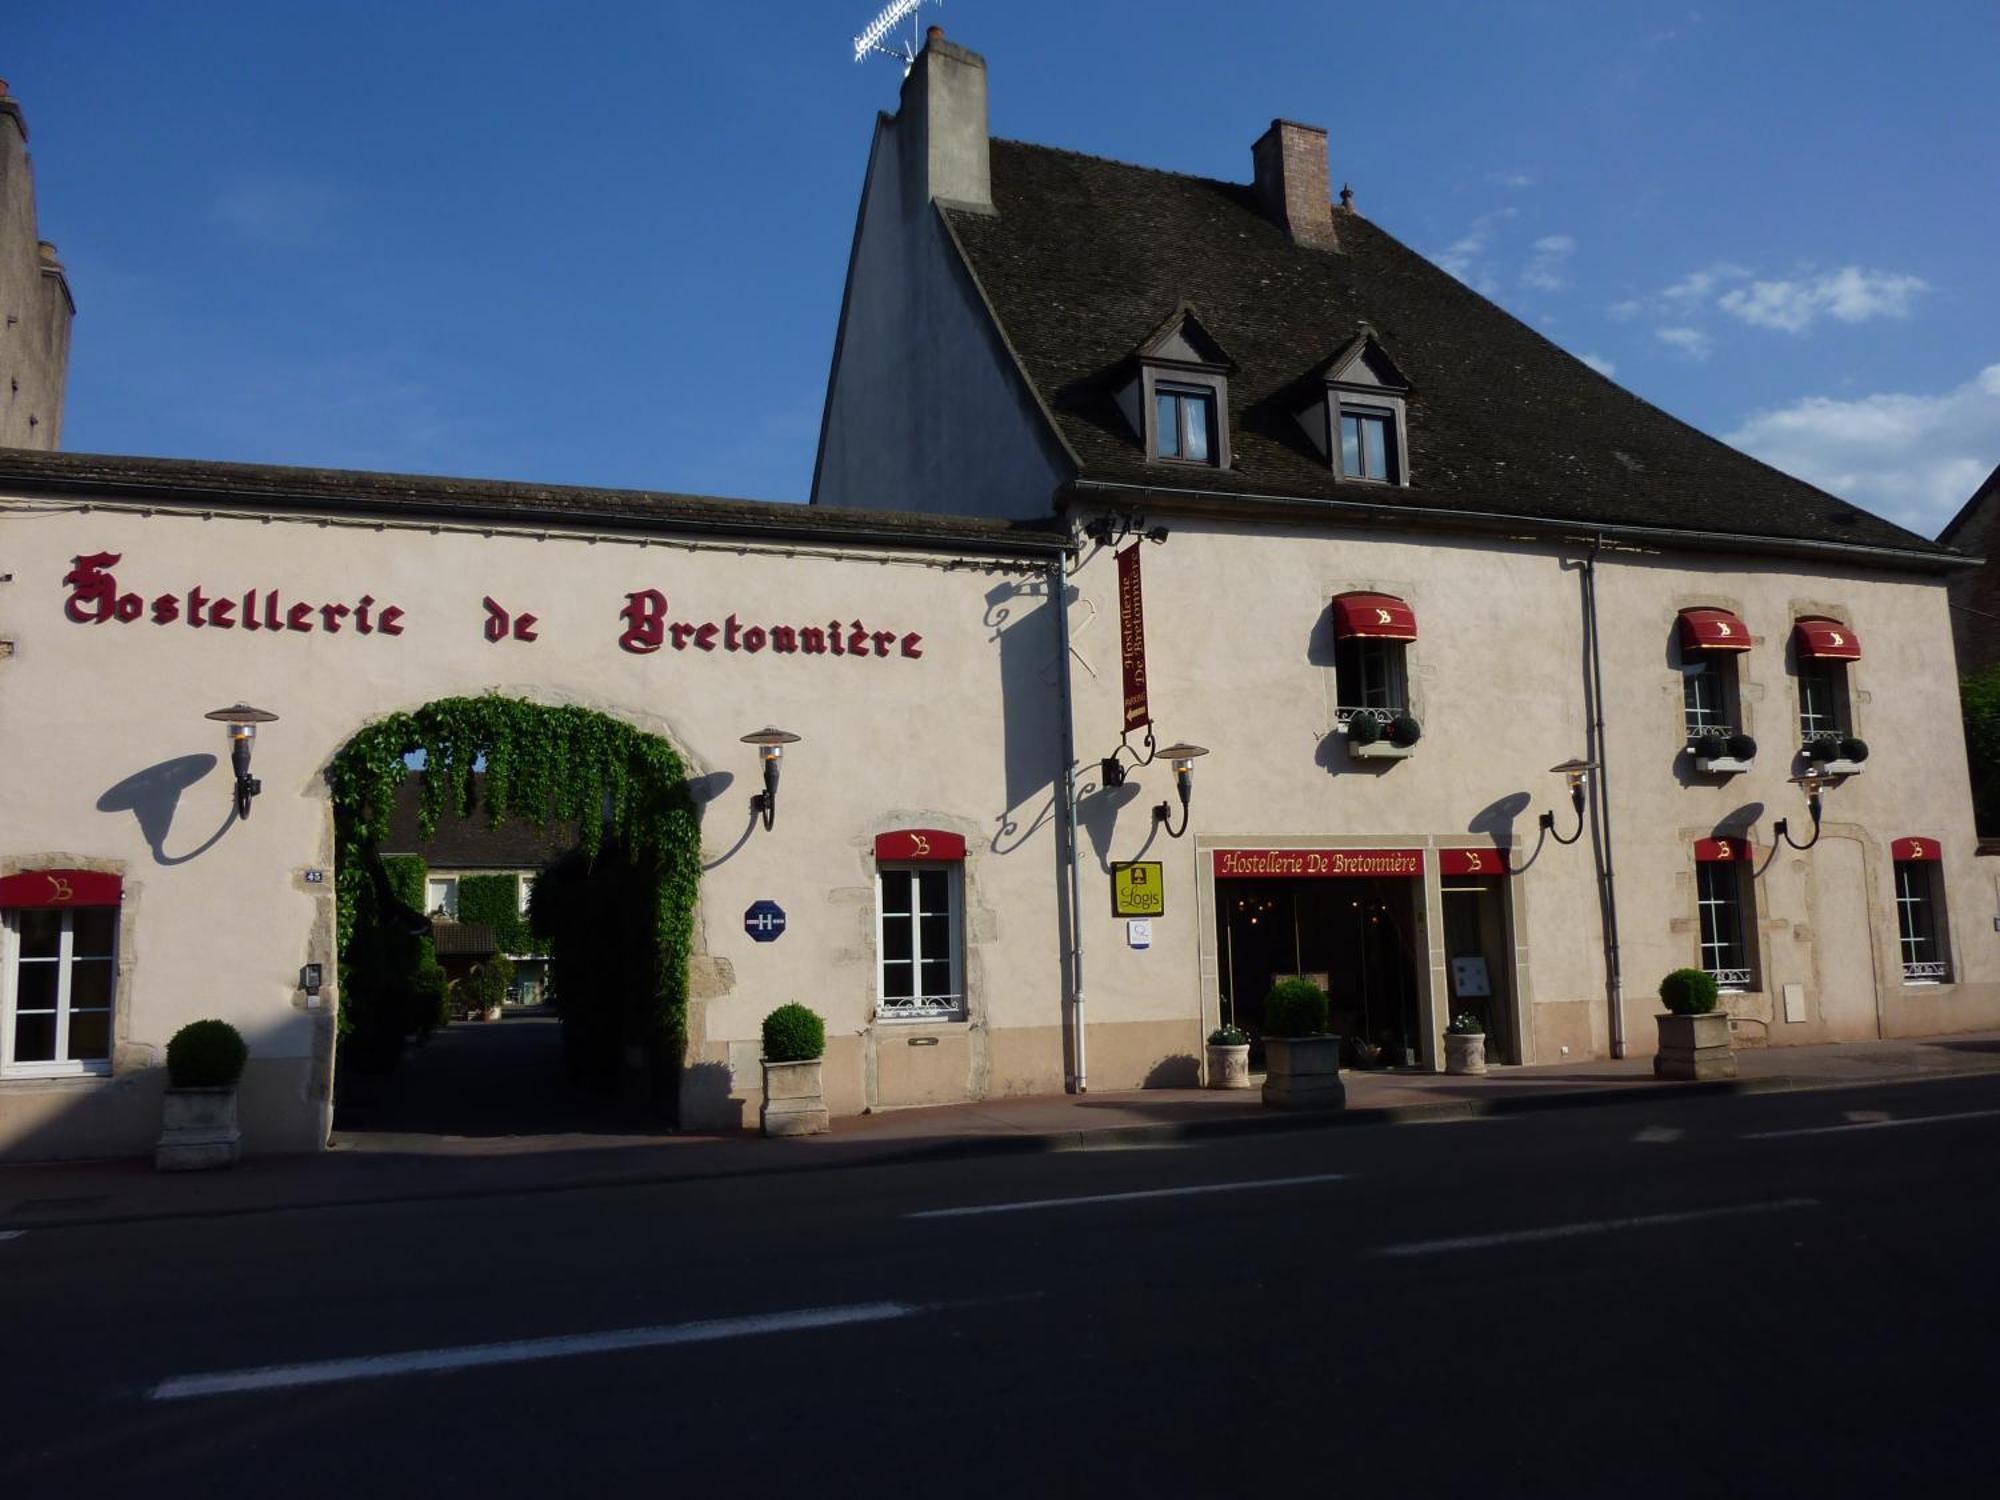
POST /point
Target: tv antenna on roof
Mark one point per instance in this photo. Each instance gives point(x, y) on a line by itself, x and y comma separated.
point(876, 32)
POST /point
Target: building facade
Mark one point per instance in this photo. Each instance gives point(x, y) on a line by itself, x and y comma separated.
point(1198, 590)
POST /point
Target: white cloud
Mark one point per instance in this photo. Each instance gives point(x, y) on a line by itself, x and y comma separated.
point(1600, 364)
point(1514, 180)
point(1915, 459)
point(1627, 310)
point(1690, 341)
point(1850, 294)
point(1546, 268)
point(1465, 257)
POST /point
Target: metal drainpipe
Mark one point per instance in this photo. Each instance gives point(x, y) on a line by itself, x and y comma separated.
point(1614, 976)
point(1059, 601)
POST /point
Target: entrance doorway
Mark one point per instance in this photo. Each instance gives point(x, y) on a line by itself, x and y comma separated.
point(1355, 938)
point(1479, 969)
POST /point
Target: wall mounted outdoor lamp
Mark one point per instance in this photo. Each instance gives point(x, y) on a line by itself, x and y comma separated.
point(242, 720)
point(1183, 757)
point(772, 742)
point(1812, 783)
point(1577, 773)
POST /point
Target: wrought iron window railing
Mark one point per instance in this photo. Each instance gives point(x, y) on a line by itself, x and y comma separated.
point(1731, 979)
point(1382, 716)
point(921, 1007)
point(1933, 971)
point(1812, 736)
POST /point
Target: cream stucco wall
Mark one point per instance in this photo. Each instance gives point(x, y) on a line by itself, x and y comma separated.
point(114, 765)
point(1240, 660)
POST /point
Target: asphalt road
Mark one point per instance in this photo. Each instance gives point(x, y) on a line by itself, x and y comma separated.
point(1771, 1294)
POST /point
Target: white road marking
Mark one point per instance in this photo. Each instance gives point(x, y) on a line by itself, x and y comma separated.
point(1595, 1226)
point(1775, 1135)
point(1657, 1135)
point(474, 1356)
point(11, 1234)
point(1178, 1192)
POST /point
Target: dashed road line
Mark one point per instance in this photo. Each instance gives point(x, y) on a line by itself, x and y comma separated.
point(1176, 1192)
point(1776, 1135)
point(1591, 1227)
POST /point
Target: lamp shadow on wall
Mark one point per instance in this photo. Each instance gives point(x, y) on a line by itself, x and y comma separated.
point(153, 796)
point(705, 792)
point(1023, 626)
point(1098, 815)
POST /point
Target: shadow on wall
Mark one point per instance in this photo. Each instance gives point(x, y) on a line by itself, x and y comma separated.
point(708, 1097)
point(1181, 1071)
point(1098, 815)
point(153, 796)
point(1023, 627)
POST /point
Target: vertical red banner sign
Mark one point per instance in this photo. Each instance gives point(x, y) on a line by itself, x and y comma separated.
point(1132, 638)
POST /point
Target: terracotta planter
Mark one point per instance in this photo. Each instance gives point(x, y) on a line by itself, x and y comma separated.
point(1228, 1067)
point(1695, 1047)
point(1465, 1052)
point(794, 1099)
point(1303, 1073)
point(198, 1130)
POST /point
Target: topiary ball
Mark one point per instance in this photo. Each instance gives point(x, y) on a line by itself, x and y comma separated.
point(1295, 1007)
point(1709, 746)
point(1742, 747)
point(793, 1034)
point(1854, 749)
point(1823, 750)
point(1405, 731)
point(1364, 729)
point(206, 1055)
point(1689, 992)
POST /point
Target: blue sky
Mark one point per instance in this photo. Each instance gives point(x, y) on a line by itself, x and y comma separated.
point(603, 243)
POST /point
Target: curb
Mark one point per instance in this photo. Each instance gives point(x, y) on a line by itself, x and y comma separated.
point(972, 1147)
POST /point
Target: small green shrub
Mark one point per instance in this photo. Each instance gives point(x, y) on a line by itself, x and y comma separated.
point(1229, 1036)
point(1405, 731)
point(793, 1034)
point(1364, 729)
point(487, 985)
point(206, 1055)
point(1295, 1007)
point(1465, 1023)
point(1689, 992)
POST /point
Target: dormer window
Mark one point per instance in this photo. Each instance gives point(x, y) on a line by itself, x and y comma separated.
point(1353, 410)
point(1175, 394)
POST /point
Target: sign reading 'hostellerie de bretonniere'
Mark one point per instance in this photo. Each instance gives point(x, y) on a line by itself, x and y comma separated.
point(1316, 864)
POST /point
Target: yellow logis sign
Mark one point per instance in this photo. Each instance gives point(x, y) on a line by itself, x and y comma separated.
point(1138, 889)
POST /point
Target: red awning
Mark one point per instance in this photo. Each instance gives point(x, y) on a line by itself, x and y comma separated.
point(1818, 638)
point(1721, 851)
point(1904, 849)
point(61, 888)
point(1380, 616)
point(911, 845)
point(1713, 630)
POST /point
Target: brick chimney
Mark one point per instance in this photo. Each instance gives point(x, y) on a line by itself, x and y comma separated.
point(1293, 182)
point(942, 118)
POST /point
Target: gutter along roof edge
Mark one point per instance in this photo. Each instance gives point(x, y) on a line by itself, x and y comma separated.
point(363, 494)
point(1221, 504)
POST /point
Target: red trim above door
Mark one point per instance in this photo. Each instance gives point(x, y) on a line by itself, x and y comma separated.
point(1713, 630)
point(1472, 861)
point(1918, 849)
point(1378, 616)
point(36, 888)
point(915, 845)
point(1720, 851)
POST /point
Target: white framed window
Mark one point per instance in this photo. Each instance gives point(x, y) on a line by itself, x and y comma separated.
point(1920, 922)
point(1723, 902)
point(1822, 700)
point(1708, 692)
point(525, 885)
point(441, 896)
point(58, 980)
point(1369, 677)
point(918, 941)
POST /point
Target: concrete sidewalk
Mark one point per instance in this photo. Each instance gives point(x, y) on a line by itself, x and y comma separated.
point(383, 1166)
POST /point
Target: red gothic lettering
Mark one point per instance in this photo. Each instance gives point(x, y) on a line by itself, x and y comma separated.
point(271, 620)
point(834, 637)
point(329, 617)
point(857, 640)
point(95, 591)
point(166, 610)
point(250, 611)
point(642, 614)
point(130, 607)
point(361, 621)
point(883, 640)
point(682, 629)
point(784, 638)
point(299, 617)
point(497, 620)
point(524, 627)
point(812, 641)
point(222, 614)
point(388, 622)
point(195, 600)
point(729, 641)
point(753, 638)
point(913, 644)
point(704, 635)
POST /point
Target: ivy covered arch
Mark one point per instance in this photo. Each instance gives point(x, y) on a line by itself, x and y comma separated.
point(625, 793)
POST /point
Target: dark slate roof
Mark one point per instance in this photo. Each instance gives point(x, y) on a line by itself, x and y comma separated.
point(1084, 257)
point(472, 841)
point(463, 939)
point(274, 489)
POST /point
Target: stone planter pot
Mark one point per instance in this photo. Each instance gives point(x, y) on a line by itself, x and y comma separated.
point(1695, 1047)
point(1303, 1073)
point(492, 1012)
point(198, 1130)
point(1228, 1067)
point(794, 1099)
point(1465, 1052)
